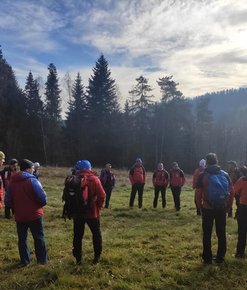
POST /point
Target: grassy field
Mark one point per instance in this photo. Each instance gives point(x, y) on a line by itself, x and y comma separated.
point(142, 249)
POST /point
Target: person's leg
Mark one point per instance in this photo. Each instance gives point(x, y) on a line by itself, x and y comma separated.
point(163, 196)
point(108, 196)
point(242, 227)
point(7, 212)
point(140, 194)
point(79, 226)
point(94, 225)
point(133, 195)
point(23, 247)
point(237, 205)
point(220, 224)
point(36, 228)
point(176, 190)
point(207, 226)
point(156, 196)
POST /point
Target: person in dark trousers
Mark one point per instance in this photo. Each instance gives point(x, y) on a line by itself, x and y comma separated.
point(240, 187)
point(196, 173)
point(2, 159)
point(91, 217)
point(210, 213)
point(7, 173)
point(234, 173)
point(160, 182)
point(177, 181)
point(137, 177)
point(27, 198)
point(108, 180)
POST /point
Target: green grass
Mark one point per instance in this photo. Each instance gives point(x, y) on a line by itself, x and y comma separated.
point(142, 249)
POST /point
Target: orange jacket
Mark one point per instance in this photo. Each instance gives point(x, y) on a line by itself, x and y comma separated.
point(240, 188)
point(196, 173)
point(137, 174)
point(1, 192)
point(177, 177)
point(160, 178)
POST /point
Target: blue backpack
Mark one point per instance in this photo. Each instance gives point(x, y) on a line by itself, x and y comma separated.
point(218, 188)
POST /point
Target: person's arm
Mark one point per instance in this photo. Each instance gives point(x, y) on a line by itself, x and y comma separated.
point(39, 191)
point(100, 193)
point(8, 197)
point(131, 173)
point(154, 178)
point(182, 178)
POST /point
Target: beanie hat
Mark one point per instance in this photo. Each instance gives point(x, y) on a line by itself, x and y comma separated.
point(82, 164)
point(13, 161)
point(2, 155)
point(36, 165)
point(202, 163)
point(138, 160)
point(25, 164)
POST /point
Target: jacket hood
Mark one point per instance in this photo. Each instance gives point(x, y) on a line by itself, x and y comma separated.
point(20, 176)
point(213, 169)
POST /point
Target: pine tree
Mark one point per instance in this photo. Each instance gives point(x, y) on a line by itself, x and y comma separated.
point(75, 130)
point(102, 92)
point(169, 89)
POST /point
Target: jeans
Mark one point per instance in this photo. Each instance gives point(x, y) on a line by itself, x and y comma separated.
point(242, 229)
point(158, 189)
point(136, 187)
point(79, 227)
point(36, 228)
point(208, 218)
point(176, 191)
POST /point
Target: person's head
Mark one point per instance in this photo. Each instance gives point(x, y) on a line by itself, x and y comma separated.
point(138, 161)
point(27, 165)
point(2, 158)
point(36, 165)
point(211, 159)
point(243, 170)
point(83, 165)
point(108, 166)
point(175, 165)
point(202, 163)
point(160, 166)
point(13, 164)
point(231, 164)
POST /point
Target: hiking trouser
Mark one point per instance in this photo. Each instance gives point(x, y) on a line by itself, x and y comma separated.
point(157, 190)
point(36, 228)
point(136, 187)
point(208, 218)
point(242, 229)
point(176, 191)
point(79, 227)
point(108, 191)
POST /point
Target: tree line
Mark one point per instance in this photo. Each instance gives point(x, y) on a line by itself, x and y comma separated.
point(96, 128)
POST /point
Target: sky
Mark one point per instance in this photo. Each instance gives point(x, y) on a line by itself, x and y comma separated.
point(202, 43)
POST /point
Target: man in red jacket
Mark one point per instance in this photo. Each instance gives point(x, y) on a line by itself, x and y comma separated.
point(137, 177)
point(2, 159)
point(160, 182)
point(177, 181)
point(26, 197)
point(91, 217)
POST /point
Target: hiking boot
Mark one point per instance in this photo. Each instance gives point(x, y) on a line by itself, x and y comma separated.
point(219, 260)
point(240, 256)
point(206, 262)
point(96, 260)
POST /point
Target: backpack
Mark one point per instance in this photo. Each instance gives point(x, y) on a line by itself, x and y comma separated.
point(77, 197)
point(217, 189)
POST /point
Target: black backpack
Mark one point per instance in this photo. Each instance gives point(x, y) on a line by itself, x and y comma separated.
point(77, 197)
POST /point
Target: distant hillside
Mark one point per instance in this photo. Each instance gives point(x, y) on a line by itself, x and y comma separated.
point(227, 101)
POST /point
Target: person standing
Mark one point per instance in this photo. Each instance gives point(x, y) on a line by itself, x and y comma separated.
point(137, 177)
point(160, 182)
point(36, 169)
point(90, 217)
point(2, 159)
point(196, 173)
point(234, 173)
point(108, 180)
point(240, 187)
point(27, 198)
point(214, 198)
point(177, 181)
point(7, 173)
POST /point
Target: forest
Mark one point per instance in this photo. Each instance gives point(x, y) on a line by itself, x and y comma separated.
point(95, 127)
